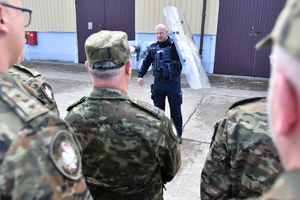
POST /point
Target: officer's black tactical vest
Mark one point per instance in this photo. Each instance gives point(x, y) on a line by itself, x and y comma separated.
point(163, 66)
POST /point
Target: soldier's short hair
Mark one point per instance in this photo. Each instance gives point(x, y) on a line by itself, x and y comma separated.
point(107, 74)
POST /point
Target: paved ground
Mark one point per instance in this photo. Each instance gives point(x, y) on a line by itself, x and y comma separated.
point(201, 109)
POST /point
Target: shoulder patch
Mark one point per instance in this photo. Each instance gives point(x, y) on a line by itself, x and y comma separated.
point(65, 155)
point(76, 103)
point(150, 108)
point(244, 101)
point(47, 91)
point(24, 105)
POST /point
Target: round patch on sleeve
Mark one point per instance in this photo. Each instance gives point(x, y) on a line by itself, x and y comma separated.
point(47, 91)
point(173, 129)
point(65, 155)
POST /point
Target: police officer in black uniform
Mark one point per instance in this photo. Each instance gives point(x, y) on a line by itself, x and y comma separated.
point(166, 70)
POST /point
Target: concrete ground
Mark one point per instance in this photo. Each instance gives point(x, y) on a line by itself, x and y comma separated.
point(201, 109)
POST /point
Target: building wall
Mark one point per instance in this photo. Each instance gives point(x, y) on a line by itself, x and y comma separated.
point(60, 15)
point(149, 13)
point(55, 46)
point(51, 15)
point(55, 23)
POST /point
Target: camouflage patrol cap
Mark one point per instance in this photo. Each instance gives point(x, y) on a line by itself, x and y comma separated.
point(109, 46)
point(286, 31)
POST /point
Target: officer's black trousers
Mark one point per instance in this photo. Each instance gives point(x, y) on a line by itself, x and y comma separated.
point(173, 91)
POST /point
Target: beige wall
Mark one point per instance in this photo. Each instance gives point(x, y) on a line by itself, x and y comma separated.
point(60, 15)
point(51, 15)
point(149, 13)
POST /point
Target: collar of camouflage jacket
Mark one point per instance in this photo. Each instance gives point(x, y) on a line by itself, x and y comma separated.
point(108, 93)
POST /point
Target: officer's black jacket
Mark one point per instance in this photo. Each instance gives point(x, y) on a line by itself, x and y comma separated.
point(151, 53)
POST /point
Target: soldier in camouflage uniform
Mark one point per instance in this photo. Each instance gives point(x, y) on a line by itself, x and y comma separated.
point(130, 148)
point(39, 156)
point(34, 79)
point(242, 161)
point(283, 99)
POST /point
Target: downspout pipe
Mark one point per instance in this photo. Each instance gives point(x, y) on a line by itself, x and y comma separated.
point(202, 28)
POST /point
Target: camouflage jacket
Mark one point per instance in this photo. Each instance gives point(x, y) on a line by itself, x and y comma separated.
point(242, 161)
point(39, 157)
point(34, 79)
point(129, 147)
point(287, 186)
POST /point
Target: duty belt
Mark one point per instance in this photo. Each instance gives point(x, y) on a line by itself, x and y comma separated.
point(167, 80)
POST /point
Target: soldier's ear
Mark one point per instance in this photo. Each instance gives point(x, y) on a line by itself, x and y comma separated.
point(3, 26)
point(128, 69)
point(285, 106)
point(86, 65)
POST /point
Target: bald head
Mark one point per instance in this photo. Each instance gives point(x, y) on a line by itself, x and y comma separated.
point(161, 26)
point(161, 32)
